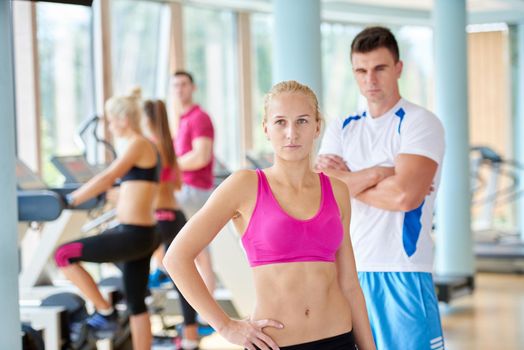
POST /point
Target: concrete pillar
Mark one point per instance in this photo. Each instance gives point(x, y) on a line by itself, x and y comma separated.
point(518, 142)
point(297, 50)
point(454, 251)
point(10, 321)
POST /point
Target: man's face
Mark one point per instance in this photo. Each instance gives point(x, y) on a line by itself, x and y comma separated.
point(182, 88)
point(377, 74)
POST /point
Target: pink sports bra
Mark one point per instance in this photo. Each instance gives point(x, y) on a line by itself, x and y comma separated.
point(273, 236)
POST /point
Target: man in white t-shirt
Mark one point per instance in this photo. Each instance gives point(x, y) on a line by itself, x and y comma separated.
point(389, 154)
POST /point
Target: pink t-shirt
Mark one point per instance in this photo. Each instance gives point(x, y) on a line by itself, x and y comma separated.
point(195, 123)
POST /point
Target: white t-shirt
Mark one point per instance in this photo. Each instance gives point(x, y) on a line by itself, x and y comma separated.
point(389, 240)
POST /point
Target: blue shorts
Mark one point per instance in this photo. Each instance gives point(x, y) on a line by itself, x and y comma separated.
point(403, 310)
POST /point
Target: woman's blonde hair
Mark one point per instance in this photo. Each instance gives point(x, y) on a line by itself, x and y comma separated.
point(292, 86)
point(127, 107)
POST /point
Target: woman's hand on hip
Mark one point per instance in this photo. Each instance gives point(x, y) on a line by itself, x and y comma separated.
point(249, 333)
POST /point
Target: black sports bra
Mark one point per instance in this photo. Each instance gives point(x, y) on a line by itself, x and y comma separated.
point(141, 174)
point(144, 174)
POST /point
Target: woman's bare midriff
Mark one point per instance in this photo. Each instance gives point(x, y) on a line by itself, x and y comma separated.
point(135, 203)
point(165, 198)
point(305, 297)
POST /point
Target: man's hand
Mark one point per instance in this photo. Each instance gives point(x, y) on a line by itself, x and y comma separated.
point(333, 165)
point(330, 161)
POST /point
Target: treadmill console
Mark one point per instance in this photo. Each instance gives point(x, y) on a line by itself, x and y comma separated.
point(26, 179)
point(75, 169)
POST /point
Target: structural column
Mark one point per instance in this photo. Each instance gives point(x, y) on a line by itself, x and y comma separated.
point(10, 320)
point(27, 84)
point(519, 124)
point(454, 251)
point(297, 49)
point(103, 68)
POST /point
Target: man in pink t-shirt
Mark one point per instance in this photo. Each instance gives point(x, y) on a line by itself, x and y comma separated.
point(194, 136)
point(194, 148)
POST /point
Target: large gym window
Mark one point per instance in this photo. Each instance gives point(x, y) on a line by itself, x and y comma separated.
point(66, 79)
point(139, 43)
point(340, 90)
point(262, 54)
point(211, 56)
point(416, 51)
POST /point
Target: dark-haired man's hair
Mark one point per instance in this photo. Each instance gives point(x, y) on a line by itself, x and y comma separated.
point(183, 73)
point(373, 38)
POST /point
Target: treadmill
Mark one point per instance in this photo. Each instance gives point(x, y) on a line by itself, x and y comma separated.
point(38, 203)
point(496, 249)
point(35, 201)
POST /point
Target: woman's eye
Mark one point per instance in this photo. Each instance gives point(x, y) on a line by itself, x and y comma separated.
point(280, 122)
point(302, 121)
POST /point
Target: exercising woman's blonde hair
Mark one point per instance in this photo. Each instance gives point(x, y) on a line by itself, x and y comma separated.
point(292, 86)
point(127, 107)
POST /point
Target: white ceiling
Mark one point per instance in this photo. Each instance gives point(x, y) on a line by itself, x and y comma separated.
point(420, 11)
point(473, 5)
point(390, 11)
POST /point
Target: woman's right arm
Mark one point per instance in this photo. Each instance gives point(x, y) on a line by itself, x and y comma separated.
point(199, 231)
point(105, 179)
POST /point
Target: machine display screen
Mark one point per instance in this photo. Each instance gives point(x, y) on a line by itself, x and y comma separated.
point(26, 179)
point(76, 169)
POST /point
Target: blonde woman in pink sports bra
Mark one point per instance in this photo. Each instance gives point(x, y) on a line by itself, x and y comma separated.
point(294, 226)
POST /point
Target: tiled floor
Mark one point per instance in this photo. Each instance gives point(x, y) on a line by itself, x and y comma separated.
point(492, 318)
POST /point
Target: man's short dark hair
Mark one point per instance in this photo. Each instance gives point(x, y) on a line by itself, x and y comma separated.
point(373, 38)
point(183, 73)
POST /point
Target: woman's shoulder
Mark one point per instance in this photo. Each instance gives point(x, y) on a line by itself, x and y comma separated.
point(339, 188)
point(336, 184)
point(238, 187)
point(141, 151)
point(140, 141)
point(240, 182)
point(142, 144)
point(244, 177)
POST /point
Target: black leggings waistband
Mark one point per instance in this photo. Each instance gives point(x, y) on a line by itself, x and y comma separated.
point(344, 341)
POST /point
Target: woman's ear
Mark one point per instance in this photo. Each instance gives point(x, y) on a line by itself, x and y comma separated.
point(319, 127)
point(264, 127)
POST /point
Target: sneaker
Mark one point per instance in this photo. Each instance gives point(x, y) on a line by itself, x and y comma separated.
point(158, 278)
point(186, 344)
point(103, 326)
point(205, 330)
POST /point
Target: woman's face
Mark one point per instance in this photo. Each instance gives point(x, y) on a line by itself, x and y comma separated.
point(117, 125)
point(291, 125)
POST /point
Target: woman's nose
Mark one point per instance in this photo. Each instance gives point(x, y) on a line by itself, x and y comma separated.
point(291, 132)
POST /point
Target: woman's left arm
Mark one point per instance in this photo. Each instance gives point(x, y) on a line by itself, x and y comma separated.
point(347, 274)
